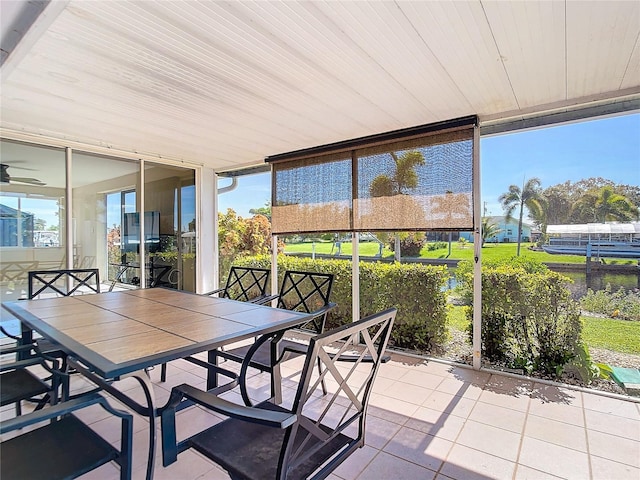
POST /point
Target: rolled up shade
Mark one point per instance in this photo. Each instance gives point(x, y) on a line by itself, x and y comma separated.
point(415, 179)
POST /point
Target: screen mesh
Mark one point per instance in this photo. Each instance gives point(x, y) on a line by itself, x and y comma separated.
point(423, 183)
point(313, 195)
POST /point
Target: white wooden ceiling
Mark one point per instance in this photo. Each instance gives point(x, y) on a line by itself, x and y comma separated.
point(226, 84)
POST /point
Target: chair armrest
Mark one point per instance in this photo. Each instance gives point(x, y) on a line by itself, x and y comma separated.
point(59, 410)
point(212, 292)
point(250, 414)
point(324, 309)
point(264, 300)
point(365, 359)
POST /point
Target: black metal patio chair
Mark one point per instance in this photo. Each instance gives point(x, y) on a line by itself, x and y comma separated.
point(57, 283)
point(64, 282)
point(245, 284)
point(19, 383)
point(63, 447)
point(310, 438)
point(307, 292)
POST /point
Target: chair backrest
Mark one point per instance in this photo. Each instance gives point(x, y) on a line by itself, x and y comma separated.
point(327, 425)
point(306, 292)
point(63, 282)
point(246, 283)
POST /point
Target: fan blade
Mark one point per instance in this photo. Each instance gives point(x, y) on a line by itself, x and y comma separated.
point(27, 180)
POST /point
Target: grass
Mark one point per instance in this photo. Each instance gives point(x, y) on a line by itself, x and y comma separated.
point(490, 252)
point(612, 334)
point(608, 333)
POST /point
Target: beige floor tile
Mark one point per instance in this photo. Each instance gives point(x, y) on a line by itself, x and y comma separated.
point(527, 473)
point(385, 467)
point(501, 398)
point(497, 416)
point(190, 465)
point(554, 459)
point(436, 423)
point(392, 370)
point(613, 424)
point(516, 386)
point(475, 377)
point(452, 404)
point(419, 448)
point(408, 393)
point(379, 431)
point(356, 463)
point(194, 420)
point(605, 469)
point(468, 464)
point(556, 394)
point(614, 448)
point(383, 384)
point(440, 368)
point(557, 411)
point(395, 410)
point(489, 439)
point(461, 388)
point(555, 432)
point(422, 379)
point(614, 406)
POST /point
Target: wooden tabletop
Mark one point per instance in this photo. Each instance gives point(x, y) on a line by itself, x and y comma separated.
point(120, 332)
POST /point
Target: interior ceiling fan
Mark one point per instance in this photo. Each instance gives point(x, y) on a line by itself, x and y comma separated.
point(5, 178)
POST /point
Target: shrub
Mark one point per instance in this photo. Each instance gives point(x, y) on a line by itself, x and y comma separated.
point(416, 290)
point(528, 317)
point(432, 246)
point(619, 304)
point(410, 244)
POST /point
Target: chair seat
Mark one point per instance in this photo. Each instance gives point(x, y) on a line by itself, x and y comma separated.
point(250, 451)
point(64, 449)
point(262, 357)
point(20, 384)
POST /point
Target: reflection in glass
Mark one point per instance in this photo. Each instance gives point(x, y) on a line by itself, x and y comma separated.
point(32, 189)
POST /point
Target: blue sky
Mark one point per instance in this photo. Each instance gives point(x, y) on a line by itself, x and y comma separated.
point(608, 148)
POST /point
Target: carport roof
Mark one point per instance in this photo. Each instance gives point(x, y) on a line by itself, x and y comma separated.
point(226, 84)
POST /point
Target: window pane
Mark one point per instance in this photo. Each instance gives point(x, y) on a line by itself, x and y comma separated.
point(31, 214)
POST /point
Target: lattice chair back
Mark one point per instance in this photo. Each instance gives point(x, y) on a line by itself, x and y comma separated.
point(246, 283)
point(63, 283)
point(306, 292)
point(306, 437)
point(335, 422)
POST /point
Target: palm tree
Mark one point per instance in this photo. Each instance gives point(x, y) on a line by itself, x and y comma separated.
point(405, 177)
point(529, 196)
point(604, 204)
point(613, 206)
point(489, 229)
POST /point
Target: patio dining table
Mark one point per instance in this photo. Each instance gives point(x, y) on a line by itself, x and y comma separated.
point(110, 336)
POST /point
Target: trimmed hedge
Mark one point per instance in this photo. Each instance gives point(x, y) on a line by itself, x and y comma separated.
point(417, 291)
point(529, 319)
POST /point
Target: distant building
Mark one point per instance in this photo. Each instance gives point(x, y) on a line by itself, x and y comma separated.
point(508, 231)
point(16, 228)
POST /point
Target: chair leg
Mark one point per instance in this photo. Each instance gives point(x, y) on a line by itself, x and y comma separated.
point(324, 385)
point(163, 372)
point(212, 376)
point(18, 408)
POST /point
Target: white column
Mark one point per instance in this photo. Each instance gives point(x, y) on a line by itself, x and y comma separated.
point(477, 254)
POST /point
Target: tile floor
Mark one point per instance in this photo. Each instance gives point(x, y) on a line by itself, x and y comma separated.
point(430, 420)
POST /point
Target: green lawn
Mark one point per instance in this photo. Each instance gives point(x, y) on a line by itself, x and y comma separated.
point(608, 333)
point(612, 334)
point(491, 251)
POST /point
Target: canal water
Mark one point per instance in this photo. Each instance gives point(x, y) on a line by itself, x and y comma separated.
point(582, 281)
point(599, 281)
